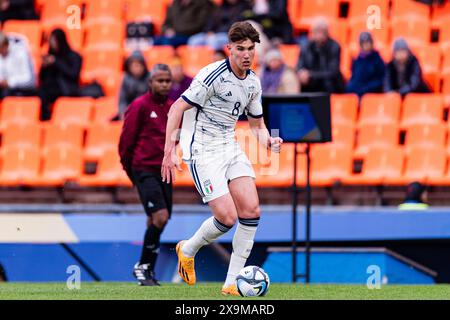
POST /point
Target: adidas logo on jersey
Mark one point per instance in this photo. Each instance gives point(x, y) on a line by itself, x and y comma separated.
point(229, 94)
point(153, 115)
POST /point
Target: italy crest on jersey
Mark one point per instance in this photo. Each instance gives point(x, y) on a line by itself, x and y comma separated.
point(208, 186)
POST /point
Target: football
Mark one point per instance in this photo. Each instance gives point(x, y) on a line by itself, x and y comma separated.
point(252, 281)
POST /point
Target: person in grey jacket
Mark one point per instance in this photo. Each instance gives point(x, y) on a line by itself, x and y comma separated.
point(135, 81)
point(318, 68)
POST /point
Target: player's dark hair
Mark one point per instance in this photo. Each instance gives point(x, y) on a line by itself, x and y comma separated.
point(159, 67)
point(240, 31)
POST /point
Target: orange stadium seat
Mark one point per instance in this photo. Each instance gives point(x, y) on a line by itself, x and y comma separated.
point(55, 135)
point(68, 110)
point(416, 33)
point(277, 169)
point(338, 30)
point(105, 36)
point(379, 109)
point(100, 137)
point(445, 64)
point(344, 109)
point(75, 37)
point(61, 164)
point(159, 54)
point(31, 30)
point(346, 63)
point(359, 10)
point(102, 66)
point(444, 37)
point(195, 58)
point(183, 178)
point(426, 136)
point(343, 136)
point(380, 164)
point(109, 172)
point(19, 165)
point(55, 12)
point(423, 165)
point(373, 135)
point(291, 53)
point(409, 10)
point(446, 90)
point(380, 36)
point(19, 110)
point(422, 109)
point(104, 11)
point(440, 14)
point(430, 62)
point(312, 9)
point(22, 135)
point(105, 108)
point(143, 10)
point(330, 164)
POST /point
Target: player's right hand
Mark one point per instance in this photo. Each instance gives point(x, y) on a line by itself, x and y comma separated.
point(169, 163)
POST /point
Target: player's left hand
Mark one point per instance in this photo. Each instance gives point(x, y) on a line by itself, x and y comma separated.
point(275, 144)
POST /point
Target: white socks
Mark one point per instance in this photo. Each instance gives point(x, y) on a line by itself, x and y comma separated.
point(242, 246)
point(209, 231)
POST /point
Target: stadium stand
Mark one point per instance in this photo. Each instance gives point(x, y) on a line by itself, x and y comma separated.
point(380, 130)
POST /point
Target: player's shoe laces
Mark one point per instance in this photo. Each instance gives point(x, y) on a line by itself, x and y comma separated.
point(185, 265)
point(144, 275)
point(231, 290)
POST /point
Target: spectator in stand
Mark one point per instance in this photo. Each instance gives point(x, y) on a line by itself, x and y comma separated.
point(215, 33)
point(367, 69)
point(135, 81)
point(180, 81)
point(184, 18)
point(16, 68)
point(403, 73)
point(318, 66)
point(415, 197)
point(273, 17)
point(276, 76)
point(17, 10)
point(219, 55)
point(60, 72)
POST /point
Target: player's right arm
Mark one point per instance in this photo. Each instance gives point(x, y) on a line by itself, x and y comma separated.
point(170, 160)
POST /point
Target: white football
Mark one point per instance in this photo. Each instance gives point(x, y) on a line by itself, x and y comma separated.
point(252, 281)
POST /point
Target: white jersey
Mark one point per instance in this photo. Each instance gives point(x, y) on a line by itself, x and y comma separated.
point(219, 98)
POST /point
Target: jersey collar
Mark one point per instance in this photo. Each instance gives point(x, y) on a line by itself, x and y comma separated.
point(227, 61)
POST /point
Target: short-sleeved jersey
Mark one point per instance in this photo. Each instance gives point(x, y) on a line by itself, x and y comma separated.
point(219, 97)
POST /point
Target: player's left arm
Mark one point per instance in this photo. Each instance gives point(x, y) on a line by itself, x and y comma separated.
point(260, 131)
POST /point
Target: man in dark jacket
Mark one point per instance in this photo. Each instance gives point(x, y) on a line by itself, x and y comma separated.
point(141, 150)
point(403, 73)
point(184, 18)
point(367, 69)
point(60, 72)
point(319, 63)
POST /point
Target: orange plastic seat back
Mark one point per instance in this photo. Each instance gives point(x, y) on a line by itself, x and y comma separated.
point(409, 10)
point(416, 33)
point(330, 164)
point(384, 163)
point(62, 164)
point(104, 11)
point(55, 135)
point(291, 53)
point(423, 164)
point(105, 108)
point(72, 110)
point(312, 9)
point(344, 109)
point(426, 136)
point(159, 54)
point(20, 110)
point(22, 135)
point(378, 136)
point(422, 109)
point(143, 10)
point(195, 58)
point(100, 64)
point(380, 109)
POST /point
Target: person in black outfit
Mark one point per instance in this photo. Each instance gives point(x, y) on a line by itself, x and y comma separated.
point(403, 73)
point(60, 72)
point(319, 65)
point(17, 10)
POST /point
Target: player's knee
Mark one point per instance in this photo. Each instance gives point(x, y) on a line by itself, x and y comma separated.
point(229, 220)
point(160, 218)
point(252, 211)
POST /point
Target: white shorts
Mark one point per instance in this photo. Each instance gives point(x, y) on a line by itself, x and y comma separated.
point(212, 172)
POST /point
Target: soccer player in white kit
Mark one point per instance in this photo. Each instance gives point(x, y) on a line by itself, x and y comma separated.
point(221, 171)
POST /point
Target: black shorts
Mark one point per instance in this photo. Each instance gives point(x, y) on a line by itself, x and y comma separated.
point(153, 192)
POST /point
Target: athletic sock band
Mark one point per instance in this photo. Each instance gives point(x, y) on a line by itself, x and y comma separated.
point(222, 227)
point(251, 222)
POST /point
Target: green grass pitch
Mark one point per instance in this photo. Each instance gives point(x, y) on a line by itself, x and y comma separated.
point(203, 291)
